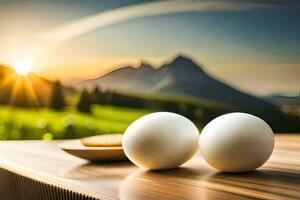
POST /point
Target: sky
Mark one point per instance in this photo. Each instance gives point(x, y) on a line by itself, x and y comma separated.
point(252, 45)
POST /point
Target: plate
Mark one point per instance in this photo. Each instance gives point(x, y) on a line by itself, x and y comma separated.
point(105, 154)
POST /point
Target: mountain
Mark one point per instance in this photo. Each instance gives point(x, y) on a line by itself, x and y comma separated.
point(182, 76)
point(123, 78)
point(30, 90)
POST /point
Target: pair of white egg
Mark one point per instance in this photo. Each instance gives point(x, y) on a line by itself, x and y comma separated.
point(235, 142)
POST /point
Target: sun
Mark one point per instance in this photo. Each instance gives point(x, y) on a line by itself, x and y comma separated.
point(23, 67)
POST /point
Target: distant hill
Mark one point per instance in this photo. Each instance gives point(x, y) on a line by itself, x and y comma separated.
point(124, 78)
point(182, 76)
point(30, 90)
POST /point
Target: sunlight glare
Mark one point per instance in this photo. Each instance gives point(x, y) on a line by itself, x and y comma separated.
point(23, 67)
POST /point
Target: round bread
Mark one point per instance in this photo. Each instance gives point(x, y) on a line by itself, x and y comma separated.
point(108, 140)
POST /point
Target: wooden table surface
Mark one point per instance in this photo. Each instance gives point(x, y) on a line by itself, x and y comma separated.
point(42, 161)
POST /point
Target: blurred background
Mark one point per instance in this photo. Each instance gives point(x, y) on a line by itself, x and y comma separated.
point(71, 68)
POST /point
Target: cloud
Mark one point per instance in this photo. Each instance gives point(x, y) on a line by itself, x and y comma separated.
point(90, 23)
point(56, 36)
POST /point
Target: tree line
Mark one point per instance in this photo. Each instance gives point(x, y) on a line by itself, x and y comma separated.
point(198, 111)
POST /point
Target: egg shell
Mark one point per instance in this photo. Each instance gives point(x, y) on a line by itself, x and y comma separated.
point(160, 140)
point(236, 142)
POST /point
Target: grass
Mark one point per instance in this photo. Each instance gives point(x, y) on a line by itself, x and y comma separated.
point(19, 123)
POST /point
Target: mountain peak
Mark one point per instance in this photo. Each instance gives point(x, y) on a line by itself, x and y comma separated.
point(182, 58)
point(144, 64)
point(185, 63)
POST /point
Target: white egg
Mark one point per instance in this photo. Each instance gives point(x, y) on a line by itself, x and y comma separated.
point(160, 140)
point(236, 142)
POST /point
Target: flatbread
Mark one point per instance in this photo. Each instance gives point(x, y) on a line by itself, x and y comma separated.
point(108, 140)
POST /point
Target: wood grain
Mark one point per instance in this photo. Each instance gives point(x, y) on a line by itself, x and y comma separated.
point(41, 161)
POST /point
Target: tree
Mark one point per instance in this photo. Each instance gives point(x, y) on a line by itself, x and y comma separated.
point(85, 102)
point(96, 95)
point(57, 101)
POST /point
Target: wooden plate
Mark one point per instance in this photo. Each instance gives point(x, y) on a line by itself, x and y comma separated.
point(105, 154)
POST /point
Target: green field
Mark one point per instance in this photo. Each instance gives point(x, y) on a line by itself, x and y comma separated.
point(19, 123)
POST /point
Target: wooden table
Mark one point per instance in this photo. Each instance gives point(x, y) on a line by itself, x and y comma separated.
point(39, 170)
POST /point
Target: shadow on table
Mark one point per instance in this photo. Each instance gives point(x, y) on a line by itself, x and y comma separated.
point(166, 184)
point(187, 183)
point(262, 177)
point(263, 183)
